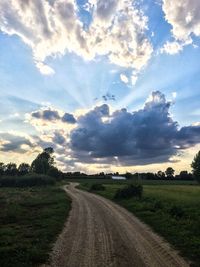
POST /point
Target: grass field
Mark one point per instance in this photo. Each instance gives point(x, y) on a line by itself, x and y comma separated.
point(89, 181)
point(30, 220)
point(172, 210)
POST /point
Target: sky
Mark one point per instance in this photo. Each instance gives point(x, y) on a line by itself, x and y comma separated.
point(111, 85)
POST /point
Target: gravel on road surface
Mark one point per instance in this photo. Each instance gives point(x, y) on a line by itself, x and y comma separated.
point(100, 233)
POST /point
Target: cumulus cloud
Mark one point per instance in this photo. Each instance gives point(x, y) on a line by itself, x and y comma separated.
point(105, 9)
point(54, 27)
point(184, 17)
point(53, 115)
point(59, 138)
point(127, 48)
point(53, 128)
point(49, 115)
point(188, 136)
point(102, 136)
point(69, 118)
point(172, 48)
point(148, 135)
point(15, 143)
point(46, 120)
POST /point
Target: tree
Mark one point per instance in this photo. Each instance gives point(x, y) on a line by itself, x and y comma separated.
point(2, 168)
point(43, 162)
point(170, 172)
point(184, 175)
point(128, 175)
point(24, 168)
point(11, 169)
point(196, 167)
point(54, 172)
point(160, 175)
point(49, 150)
point(149, 176)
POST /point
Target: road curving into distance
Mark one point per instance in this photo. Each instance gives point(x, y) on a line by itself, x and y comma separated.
point(99, 233)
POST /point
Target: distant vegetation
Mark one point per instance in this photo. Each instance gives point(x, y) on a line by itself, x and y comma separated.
point(43, 167)
point(128, 191)
point(42, 171)
point(97, 187)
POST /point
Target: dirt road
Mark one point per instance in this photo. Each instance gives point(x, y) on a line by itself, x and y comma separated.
point(99, 233)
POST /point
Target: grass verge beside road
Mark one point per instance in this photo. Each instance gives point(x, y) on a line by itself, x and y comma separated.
point(173, 211)
point(30, 220)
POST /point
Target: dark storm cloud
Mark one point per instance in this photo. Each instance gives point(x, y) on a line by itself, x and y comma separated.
point(58, 138)
point(12, 142)
point(67, 117)
point(188, 136)
point(48, 115)
point(146, 136)
point(53, 115)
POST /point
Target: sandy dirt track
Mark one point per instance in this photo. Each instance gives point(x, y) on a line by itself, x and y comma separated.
point(100, 233)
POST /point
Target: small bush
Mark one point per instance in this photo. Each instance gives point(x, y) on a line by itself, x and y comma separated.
point(129, 191)
point(158, 205)
point(176, 212)
point(97, 187)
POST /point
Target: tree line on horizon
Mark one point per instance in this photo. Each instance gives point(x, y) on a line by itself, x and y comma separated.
point(44, 164)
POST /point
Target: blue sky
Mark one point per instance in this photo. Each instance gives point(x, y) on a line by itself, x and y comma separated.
point(94, 50)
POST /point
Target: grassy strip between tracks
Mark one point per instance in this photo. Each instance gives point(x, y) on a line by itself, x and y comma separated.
point(30, 220)
point(173, 211)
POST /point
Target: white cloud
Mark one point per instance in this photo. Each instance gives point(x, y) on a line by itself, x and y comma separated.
point(134, 78)
point(52, 28)
point(184, 17)
point(124, 78)
point(196, 123)
point(44, 69)
point(174, 95)
point(172, 48)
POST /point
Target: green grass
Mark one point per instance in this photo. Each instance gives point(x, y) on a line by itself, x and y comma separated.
point(121, 182)
point(173, 211)
point(30, 220)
